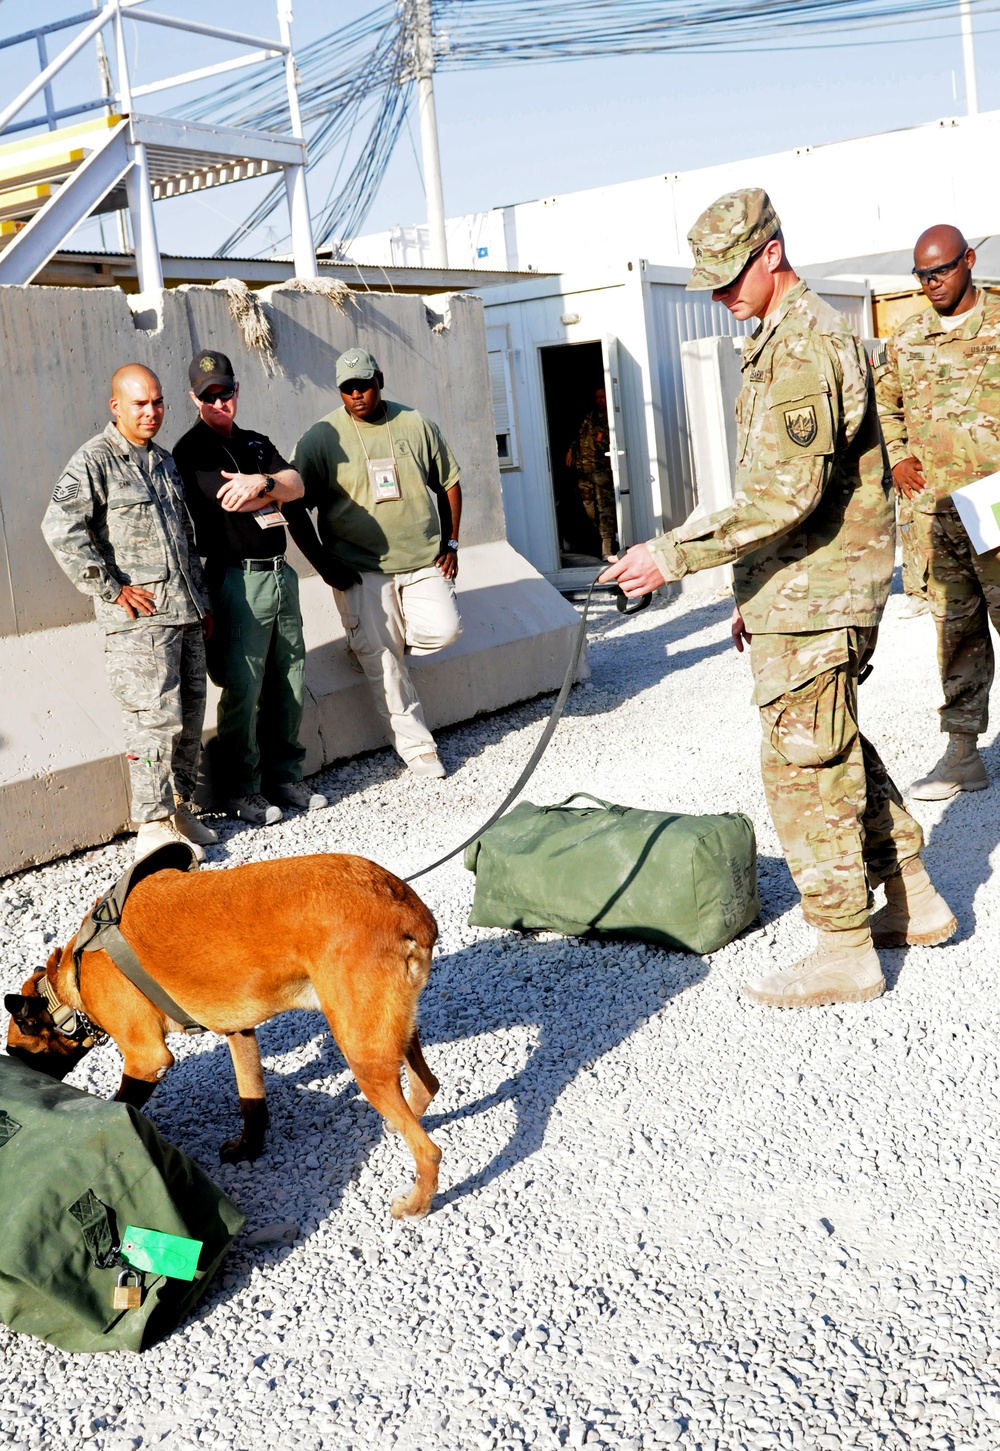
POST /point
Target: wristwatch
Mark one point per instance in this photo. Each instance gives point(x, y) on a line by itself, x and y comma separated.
point(268, 487)
point(452, 545)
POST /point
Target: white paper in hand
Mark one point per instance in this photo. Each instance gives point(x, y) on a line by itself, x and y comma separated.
point(978, 508)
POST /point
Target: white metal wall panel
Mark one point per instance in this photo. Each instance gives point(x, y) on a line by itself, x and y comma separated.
point(673, 316)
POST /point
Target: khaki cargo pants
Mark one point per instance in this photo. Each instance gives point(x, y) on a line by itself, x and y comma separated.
point(840, 820)
point(387, 616)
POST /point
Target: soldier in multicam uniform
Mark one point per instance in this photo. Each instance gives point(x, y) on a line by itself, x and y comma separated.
point(938, 393)
point(811, 537)
point(118, 526)
point(588, 457)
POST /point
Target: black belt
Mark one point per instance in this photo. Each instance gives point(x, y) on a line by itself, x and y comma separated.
point(259, 566)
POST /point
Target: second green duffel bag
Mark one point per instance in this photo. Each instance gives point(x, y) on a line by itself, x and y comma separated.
point(75, 1173)
point(680, 881)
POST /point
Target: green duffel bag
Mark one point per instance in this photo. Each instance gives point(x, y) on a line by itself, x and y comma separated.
point(680, 881)
point(75, 1171)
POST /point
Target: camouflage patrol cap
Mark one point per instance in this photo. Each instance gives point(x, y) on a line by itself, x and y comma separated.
point(727, 233)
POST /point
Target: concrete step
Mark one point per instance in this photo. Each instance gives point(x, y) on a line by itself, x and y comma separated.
point(63, 777)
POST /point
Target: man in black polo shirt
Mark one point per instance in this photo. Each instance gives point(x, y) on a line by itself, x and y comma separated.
point(232, 481)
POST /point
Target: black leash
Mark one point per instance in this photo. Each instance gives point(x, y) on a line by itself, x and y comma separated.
point(626, 607)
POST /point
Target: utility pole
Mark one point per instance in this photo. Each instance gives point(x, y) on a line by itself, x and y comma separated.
point(969, 58)
point(433, 191)
point(108, 92)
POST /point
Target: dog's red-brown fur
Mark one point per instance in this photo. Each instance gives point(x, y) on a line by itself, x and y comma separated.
point(234, 948)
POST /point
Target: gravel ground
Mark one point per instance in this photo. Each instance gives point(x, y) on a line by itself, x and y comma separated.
point(667, 1217)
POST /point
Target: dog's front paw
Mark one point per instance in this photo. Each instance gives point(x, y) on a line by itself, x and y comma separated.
point(240, 1151)
point(410, 1206)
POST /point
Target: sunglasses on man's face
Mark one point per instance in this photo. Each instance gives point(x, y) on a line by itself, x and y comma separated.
point(222, 396)
point(931, 274)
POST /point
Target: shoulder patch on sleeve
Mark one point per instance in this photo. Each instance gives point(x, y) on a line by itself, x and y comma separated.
point(878, 355)
point(66, 490)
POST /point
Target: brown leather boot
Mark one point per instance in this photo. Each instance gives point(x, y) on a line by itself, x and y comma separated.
point(914, 915)
point(961, 768)
point(843, 967)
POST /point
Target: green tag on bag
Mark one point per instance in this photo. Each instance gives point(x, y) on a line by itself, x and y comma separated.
point(161, 1254)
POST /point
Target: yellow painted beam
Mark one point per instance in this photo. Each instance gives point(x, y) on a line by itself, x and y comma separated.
point(41, 168)
point(47, 141)
point(24, 202)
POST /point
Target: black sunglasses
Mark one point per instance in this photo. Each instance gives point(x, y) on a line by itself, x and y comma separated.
point(928, 274)
point(222, 396)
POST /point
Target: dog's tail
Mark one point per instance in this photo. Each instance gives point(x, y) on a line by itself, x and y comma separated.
point(417, 958)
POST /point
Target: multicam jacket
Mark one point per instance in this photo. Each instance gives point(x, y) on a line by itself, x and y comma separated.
point(938, 396)
point(811, 532)
point(111, 523)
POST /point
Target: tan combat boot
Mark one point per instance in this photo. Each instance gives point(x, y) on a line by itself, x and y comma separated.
point(153, 834)
point(196, 831)
point(961, 768)
point(914, 915)
point(843, 967)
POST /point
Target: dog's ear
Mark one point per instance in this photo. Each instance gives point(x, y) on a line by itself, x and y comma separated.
point(55, 957)
point(28, 1012)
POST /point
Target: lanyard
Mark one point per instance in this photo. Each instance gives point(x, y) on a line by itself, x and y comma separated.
point(385, 420)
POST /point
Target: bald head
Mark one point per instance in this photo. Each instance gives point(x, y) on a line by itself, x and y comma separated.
point(136, 403)
point(943, 262)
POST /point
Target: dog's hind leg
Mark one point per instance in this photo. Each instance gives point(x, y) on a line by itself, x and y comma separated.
point(249, 1145)
point(379, 1082)
point(423, 1084)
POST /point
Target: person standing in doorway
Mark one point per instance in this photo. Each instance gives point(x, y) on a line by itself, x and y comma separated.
point(234, 481)
point(589, 457)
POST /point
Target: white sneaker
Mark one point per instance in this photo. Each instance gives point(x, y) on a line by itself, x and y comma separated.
point(192, 827)
point(426, 764)
point(152, 834)
point(297, 793)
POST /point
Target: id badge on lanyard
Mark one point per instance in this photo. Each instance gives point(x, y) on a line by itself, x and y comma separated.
point(384, 480)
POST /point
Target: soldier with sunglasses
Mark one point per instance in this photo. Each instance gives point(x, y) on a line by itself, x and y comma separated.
point(937, 383)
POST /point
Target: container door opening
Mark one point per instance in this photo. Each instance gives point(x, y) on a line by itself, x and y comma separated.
point(580, 453)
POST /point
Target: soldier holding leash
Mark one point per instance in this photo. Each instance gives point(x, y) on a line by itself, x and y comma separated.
point(811, 538)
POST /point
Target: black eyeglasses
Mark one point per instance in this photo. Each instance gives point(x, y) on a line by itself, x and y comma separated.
point(356, 385)
point(930, 274)
point(222, 396)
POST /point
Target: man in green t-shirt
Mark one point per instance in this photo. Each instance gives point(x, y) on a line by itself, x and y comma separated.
point(385, 488)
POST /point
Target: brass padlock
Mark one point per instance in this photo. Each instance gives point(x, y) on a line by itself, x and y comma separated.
point(126, 1296)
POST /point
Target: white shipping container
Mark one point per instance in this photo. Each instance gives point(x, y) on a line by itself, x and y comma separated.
point(553, 342)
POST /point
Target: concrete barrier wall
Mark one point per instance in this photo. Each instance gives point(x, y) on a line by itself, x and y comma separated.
point(61, 345)
point(63, 783)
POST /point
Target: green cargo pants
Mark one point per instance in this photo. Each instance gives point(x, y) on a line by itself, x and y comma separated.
point(260, 655)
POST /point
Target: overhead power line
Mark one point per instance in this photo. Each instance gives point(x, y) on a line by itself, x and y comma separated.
point(357, 82)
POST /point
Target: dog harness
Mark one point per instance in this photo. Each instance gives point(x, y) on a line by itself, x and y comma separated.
point(101, 931)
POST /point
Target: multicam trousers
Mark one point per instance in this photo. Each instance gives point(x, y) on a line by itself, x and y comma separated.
point(157, 674)
point(963, 591)
point(840, 820)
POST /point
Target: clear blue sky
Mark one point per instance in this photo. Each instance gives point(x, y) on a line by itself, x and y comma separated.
point(536, 130)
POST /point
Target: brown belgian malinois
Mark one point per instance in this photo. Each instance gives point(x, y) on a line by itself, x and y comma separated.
point(235, 947)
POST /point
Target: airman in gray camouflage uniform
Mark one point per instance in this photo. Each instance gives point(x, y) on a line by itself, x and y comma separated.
point(118, 526)
point(938, 392)
point(811, 536)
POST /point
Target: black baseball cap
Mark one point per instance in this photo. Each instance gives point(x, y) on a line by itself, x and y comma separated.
point(209, 369)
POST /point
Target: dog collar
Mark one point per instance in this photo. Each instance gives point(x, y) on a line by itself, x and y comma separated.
point(73, 1022)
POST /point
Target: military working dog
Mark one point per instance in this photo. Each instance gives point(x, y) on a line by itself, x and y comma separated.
point(233, 948)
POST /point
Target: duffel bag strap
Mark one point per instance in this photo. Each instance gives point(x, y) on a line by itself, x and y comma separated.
point(98, 1235)
point(608, 805)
